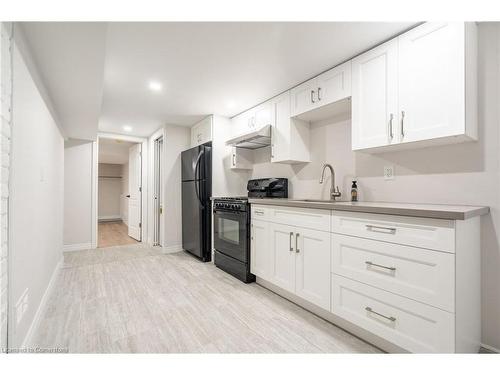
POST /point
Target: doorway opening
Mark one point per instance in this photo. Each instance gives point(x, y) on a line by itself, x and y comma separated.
point(158, 224)
point(119, 192)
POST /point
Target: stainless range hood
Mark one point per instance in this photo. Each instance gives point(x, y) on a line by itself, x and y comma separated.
point(253, 140)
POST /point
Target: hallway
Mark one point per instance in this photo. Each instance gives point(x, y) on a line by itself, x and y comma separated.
point(135, 299)
point(114, 233)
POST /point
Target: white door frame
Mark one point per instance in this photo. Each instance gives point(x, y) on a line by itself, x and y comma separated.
point(157, 134)
point(144, 178)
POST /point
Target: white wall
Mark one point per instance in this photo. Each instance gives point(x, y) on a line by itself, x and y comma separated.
point(109, 191)
point(77, 194)
point(462, 174)
point(36, 200)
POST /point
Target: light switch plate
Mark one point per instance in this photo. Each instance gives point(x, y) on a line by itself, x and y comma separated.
point(389, 172)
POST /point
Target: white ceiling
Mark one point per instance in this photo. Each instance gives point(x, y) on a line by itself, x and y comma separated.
point(70, 60)
point(113, 151)
point(221, 68)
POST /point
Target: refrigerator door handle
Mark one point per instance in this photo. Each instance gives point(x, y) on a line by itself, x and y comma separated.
point(196, 189)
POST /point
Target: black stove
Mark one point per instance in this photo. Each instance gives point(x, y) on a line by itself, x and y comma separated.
point(232, 226)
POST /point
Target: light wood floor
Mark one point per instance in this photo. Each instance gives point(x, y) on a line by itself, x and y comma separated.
point(114, 233)
point(135, 299)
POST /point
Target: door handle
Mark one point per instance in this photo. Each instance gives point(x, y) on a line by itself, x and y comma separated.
point(319, 92)
point(297, 242)
point(391, 134)
point(196, 180)
point(291, 236)
point(402, 124)
point(312, 97)
point(375, 228)
point(234, 160)
point(128, 196)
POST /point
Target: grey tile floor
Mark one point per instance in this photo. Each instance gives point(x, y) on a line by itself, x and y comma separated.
point(133, 299)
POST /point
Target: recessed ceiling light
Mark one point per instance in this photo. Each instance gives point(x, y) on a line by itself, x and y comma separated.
point(127, 128)
point(155, 86)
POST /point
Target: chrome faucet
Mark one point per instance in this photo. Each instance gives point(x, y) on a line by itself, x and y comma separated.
point(334, 193)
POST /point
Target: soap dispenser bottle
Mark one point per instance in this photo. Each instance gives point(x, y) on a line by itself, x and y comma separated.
point(354, 191)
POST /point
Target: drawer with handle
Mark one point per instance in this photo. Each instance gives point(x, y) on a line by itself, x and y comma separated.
point(435, 234)
point(420, 274)
point(411, 325)
point(259, 212)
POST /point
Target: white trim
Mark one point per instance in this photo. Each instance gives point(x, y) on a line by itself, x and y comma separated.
point(94, 203)
point(172, 249)
point(35, 324)
point(145, 183)
point(490, 348)
point(78, 247)
point(122, 137)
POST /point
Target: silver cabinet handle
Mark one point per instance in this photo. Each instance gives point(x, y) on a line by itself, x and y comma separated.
point(376, 228)
point(258, 212)
point(391, 134)
point(370, 310)
point(319, 92)
point(368, 263)
point(291, 236)
point(297, 242)
point(234, 160)
point(312, 97)
point(402, 124)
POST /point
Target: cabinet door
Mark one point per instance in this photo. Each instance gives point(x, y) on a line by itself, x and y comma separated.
point(280, 145)
point(263, 115)
point(282, 256)
point(260, 254)
point(432, 81)
point(335, 84)
point(205, 130)
point(304, 97)
point(312, 283)
point(374, 97)
point(195, 135)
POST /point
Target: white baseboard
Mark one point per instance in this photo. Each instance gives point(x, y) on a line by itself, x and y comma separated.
point(111, 217)
point(77, 247)
point(35, 324)
point(172, 249)
point(490, 348)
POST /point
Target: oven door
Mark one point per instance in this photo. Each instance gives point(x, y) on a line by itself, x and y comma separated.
point(231, 234)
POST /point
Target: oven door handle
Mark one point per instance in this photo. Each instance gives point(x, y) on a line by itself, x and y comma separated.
point(196, 185)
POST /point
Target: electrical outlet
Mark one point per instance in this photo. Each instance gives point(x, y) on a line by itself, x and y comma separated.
point(389, 172)
point(22, 306)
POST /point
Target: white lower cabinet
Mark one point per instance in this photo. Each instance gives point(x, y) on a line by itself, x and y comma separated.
point(312, 268)
point(414, 326)
point(412, 282)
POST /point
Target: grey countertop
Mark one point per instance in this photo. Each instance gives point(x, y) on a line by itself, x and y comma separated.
point(435, 211)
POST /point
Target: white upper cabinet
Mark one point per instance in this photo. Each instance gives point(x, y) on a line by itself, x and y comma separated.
point(254, 118)
point(432, 81)
point(420, 86)
point(327, 88)
point(290, 137)
point(201, 132)
point(374, 97)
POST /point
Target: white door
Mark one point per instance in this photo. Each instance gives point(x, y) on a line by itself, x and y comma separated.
point(260, 256)
point(282, 256)
point(375, 97)
point(304, 97)
point(432, 81)
point(312, 281)
point(335, 84)
point(134, 201)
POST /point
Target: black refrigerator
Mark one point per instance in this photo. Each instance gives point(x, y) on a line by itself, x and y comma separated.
point(196, 206)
